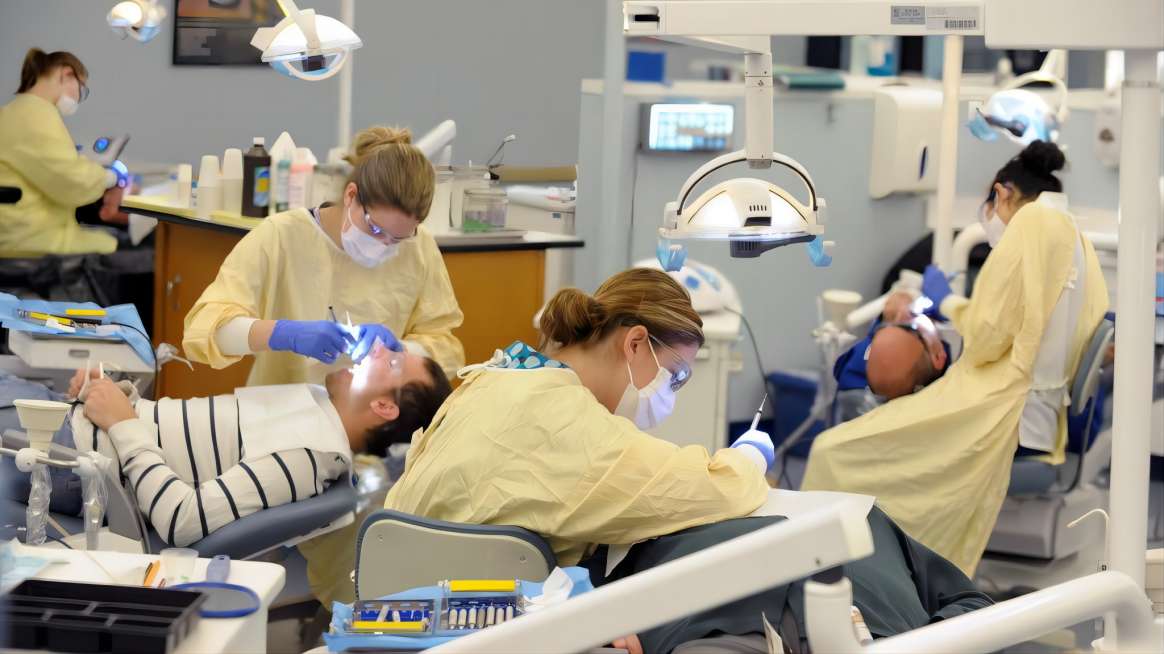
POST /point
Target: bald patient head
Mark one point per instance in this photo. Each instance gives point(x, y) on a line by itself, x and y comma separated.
point(905, 355)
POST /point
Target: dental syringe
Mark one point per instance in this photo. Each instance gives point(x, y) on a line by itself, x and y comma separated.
point(756, 419)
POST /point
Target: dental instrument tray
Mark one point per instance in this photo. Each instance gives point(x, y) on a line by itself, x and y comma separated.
point(459, 607)
point(73, 617)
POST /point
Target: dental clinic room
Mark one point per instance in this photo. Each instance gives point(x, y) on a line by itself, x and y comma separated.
point(582, 326)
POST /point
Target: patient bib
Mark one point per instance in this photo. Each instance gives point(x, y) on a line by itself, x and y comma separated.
point(288, 417)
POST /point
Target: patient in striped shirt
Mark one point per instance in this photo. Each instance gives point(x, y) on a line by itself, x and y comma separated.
point(195, 465)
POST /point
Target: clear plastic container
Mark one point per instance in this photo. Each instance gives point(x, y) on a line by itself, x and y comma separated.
point(484, 209)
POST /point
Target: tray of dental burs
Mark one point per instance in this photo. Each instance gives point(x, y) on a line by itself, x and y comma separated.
point(64, 616)
point(461, 607)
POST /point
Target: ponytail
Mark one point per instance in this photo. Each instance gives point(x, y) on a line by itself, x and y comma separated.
point(38, 63)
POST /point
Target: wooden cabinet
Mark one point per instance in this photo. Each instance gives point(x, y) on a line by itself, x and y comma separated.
point(186, 260)
point(499, 292)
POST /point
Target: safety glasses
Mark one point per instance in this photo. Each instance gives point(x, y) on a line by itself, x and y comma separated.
point(682, 373)
point(83, 92)
point(381, 233)
point(911, 327)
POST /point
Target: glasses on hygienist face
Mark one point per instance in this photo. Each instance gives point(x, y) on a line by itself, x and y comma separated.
point(382, 233)
point(682, 372)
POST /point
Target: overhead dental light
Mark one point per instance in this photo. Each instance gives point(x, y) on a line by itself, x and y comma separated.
point(137, 18)
point(305, 45)
point(752, 215)
point(1022, 115)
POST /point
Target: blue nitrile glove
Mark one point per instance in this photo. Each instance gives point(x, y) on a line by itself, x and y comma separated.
point(368, 334)
point(122, 173)
point(759, 440)
point(936, 287)
point(319, 339)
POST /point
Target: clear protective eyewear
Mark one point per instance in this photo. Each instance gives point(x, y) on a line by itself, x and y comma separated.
point(911, 327)
point(381, 233)
point(83, 92)
point(682, 374)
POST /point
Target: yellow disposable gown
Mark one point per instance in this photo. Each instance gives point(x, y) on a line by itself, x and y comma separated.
point(38, 156)
point(535, 449)
point(939, 460)
point(287, 268)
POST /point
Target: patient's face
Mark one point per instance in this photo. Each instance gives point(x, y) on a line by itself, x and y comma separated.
point(383, 372)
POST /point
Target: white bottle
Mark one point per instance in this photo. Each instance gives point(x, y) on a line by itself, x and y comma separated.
point(282, 153)
point(232, 181)
point(299, 185)
point(209, 186)
point(185, 178)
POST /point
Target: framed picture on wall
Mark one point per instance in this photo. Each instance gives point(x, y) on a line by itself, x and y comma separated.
point(218, 32)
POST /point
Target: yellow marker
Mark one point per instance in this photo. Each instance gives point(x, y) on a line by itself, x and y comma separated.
point(37, 315)
point(86, 313)
point(370, 625)
point(482, 586)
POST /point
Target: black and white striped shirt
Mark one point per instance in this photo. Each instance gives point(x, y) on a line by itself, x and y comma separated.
point(183, 459)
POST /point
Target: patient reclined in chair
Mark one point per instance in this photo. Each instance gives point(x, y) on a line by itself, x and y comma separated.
point(902, 586)
point(196, 465)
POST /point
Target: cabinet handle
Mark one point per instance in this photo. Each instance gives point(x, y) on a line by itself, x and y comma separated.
point(171, 285)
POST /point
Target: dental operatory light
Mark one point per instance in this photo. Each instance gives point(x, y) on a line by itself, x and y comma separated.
point(304, 44)
point(139, 19)
point(1022, 115)
point(751, 214)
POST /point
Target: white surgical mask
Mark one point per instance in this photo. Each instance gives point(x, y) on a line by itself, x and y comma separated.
point(994, 228)
point(67, 105)
point(362, 247)
point(651, 404)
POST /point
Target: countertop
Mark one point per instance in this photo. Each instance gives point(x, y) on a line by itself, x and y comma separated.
point(222, 221)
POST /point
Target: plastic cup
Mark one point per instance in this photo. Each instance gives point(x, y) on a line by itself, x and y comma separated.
point(178, 565)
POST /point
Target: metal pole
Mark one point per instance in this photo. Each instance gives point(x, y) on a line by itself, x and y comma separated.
point(948, 158)
point(612, 252)
point(344, 122)
point(1139, 214)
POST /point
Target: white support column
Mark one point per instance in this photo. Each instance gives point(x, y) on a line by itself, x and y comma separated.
point(344, 120)
point(1139, 216)
point(613, 219)
point(948, 157)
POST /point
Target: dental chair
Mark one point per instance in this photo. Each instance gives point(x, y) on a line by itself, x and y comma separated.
point(396, 551)
point(245, 538)
point(1042, 499)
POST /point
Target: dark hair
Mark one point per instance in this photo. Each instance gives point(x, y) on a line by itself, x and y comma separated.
point(1032, 171)
point(638, 296)
point(418, 404)
point(38, 63)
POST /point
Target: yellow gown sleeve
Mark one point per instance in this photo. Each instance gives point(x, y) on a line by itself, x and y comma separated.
point(436, 313)
point(989, 320)
point(237, 291)
point(654, 487)
point(44, 154)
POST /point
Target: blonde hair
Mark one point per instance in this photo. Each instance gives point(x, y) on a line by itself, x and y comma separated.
point(389, 171)
point(639, 296)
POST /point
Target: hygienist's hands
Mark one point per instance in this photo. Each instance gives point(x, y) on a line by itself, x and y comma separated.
point(762, 443)
point(936, 287)
point(79, 379)
point(110, 211)
point(630, 643)
point(323, 340)
point(106, 404)
point(368, 335)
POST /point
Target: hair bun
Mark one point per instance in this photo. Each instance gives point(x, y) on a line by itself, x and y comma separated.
point(373, 138)
point(571, 316)
point(1042, 158)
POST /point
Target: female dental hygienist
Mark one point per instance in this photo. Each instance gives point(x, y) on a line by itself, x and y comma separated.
point(554, 442)
point(939, 460)
point(38, 156)
point(280, 291)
